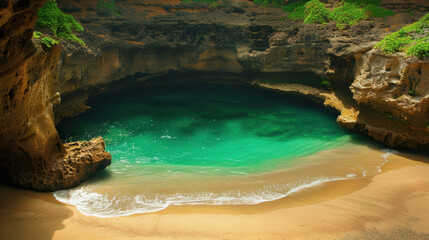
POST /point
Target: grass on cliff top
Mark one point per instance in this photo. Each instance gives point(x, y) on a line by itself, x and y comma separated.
point(413, 39)
point(37, 34)
point(348, 12)
point(62, 25)
point(312, 11)
point(49, 42)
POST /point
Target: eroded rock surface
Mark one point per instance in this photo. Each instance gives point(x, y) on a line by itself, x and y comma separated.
point(32, 155)
point(396, 87)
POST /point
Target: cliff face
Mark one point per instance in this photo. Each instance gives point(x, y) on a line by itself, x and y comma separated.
point(397, 88)
point(32, 155)
point(148, 39)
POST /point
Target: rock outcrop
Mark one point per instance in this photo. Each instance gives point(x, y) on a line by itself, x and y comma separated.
point(32, 155)
point(397, 88)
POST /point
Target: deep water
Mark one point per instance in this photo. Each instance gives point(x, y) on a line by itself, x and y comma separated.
point(204, 145)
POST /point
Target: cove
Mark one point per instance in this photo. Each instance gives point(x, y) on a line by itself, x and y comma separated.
point(208, 144)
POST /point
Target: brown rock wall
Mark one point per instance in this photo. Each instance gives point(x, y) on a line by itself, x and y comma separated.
point(32, 155)
point(394, 84)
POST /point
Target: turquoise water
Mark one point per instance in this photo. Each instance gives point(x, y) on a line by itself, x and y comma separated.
point(199, 144)
point(215, 127)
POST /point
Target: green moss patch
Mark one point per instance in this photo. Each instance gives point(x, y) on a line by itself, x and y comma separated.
point(49, 42)
point(37, 34)
point(412, 39)
point(348, 12)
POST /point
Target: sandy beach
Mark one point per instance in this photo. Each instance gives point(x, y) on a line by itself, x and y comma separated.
point(391, 205)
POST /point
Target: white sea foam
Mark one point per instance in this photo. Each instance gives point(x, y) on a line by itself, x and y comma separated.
point(91, 203)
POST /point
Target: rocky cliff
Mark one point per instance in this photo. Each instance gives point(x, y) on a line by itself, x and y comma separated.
point(144, 40)
point(384, 96)
point(32, 155)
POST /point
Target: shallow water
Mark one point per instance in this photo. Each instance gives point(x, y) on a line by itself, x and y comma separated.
point(208, 145)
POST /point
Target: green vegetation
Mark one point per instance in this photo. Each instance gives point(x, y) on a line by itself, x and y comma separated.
point(49, 42)
point(315, 12)
point(107, 7)
point(62, 25)
point(312, 11)
point(348, 12)
point(298, 13)
point(413, 39)
point(293, 6)
point(326, 84)
point(377, 11)
point(419, 49)
point(37, 34)
point(273, 3)
point(413, 93)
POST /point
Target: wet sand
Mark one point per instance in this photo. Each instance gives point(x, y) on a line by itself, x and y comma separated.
point(391, 205)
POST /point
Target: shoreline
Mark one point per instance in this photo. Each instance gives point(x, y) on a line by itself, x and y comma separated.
point(392, 202)
point(98, 199)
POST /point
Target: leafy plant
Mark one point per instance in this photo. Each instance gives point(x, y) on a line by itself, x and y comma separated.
point(363, 3)
point(375, 11)
point(312, 11)
point(37, 34)
point(413, 39)
point(352, 11)
point(327, 84)
point(349, 13)
point(413, 92)
point(419, 49)
point(49, 42)
point(62, 25)
point(315, 12)
point(298, 13)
